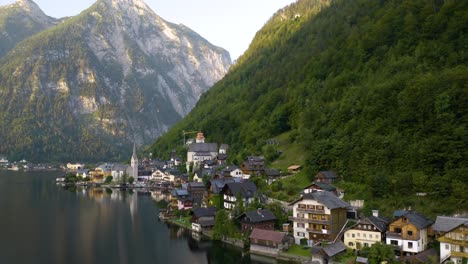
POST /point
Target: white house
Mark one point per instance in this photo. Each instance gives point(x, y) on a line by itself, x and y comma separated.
point(76, 166)
point(366, 232)
point(452, 233)
point(409, 232)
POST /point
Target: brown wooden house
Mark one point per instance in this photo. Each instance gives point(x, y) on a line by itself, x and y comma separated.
point(260, 219)
point(268, 242)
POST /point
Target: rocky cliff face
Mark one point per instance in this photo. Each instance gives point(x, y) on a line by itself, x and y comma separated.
point(115, 74)
point(20, 20)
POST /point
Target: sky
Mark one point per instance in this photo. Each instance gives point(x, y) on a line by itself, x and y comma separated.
point(230, 24)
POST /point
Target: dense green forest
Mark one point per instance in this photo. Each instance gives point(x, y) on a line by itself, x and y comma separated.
point(375, 90)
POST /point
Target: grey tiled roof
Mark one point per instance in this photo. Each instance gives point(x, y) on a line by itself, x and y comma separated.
point(203, 147)
point(203, 212)
point(258, 216)
point(247, 189)
point(446, 224)
point(326, 198)
point(417, 219)
point(380, 223)
point(334, 248)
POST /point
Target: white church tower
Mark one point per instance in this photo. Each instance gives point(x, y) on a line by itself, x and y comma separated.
point(134, 164)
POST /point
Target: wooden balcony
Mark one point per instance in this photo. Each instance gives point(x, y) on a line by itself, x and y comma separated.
point(463, 243)
point(305, 210)
point(459, 254)
point(318, 231)
point(414, 237)
point(309, 220)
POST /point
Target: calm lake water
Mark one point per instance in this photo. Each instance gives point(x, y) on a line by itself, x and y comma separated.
point(43, 223)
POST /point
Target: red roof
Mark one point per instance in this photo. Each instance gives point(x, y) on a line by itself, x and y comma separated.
point(267, 235)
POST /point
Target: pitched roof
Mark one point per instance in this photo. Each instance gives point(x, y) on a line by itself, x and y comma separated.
point(334, 248)
point(417, 219)
point(267, 235)
point(203, 212)
point(247, 189)
point(379, 223)
point(447, 224)
point(323, 186)
point(326, 198)
point(203, 147)
point(272, 172)
point(180, 192)
point(196, 185)
point(294, 167)
point(258, 216)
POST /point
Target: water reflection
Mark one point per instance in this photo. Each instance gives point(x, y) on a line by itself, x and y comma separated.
point(43, 223)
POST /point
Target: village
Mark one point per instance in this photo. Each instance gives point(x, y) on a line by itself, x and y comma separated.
point(221, 201)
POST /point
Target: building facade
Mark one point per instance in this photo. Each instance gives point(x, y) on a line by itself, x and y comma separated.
point(318, 216)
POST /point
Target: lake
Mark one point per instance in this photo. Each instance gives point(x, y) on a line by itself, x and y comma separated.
point(44, 223)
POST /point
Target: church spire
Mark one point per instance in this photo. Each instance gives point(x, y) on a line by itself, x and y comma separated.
point(134, 155)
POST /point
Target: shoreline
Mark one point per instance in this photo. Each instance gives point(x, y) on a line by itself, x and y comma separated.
point(282, 256)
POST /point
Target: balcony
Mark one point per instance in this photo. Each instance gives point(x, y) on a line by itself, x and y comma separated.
point(309, 220)
point(305, 210)
point(318, 231)
point(401, 236)
point(463, 243)
point(459, 254)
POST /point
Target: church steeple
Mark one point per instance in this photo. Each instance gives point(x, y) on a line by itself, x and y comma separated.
point(134, 163)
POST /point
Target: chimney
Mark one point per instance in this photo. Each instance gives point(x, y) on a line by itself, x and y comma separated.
point(375, 213)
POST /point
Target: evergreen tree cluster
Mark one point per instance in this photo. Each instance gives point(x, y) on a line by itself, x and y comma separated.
point(375, 90)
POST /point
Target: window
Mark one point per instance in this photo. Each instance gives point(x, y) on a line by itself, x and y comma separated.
point(301, 206)
point(447, 247)
point(363, 235)
point(300, 215)
point(300, 225)
point(410, 233)
point(351, 244)
point(347, 234)
point(394, 242)
point(324, 217)
point(300, 234)
point(358, 234)
point(311, 207)
point(397, 230)
point(366, 244)
point(353, 235)
point(370, 235)
point(319, 207)
point(410, 244)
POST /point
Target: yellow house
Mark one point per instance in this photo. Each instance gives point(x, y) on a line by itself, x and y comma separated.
point(366, 233)
point(452, 233)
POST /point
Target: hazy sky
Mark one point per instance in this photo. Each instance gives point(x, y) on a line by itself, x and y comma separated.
point(230, 24)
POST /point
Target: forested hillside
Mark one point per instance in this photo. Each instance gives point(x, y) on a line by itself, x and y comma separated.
point(375, 90)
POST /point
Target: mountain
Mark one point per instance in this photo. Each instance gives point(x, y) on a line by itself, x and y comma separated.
point(91, 86)
point(374, 90)
point(20, 20)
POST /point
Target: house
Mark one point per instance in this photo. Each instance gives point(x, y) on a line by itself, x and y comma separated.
point(366, 232)
point(245, 190)
point(326, 177)
point(144, 175)
point(254, 165)
point(118, 171)
point(318, 216)
point(320, 187)
point(233, 171)
point(70, 166)
point(201, 151)
point(294, 169)
point(203, 218)
point(197, 190)
point(452, 233)
point(157, 175)
point(203, 172)
point(327, 253)
point(222, 156)
point(268, 242)
point(83, 173)
point(409, 232)
point(260, 219)
point(181, 200)
point(272, 175)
